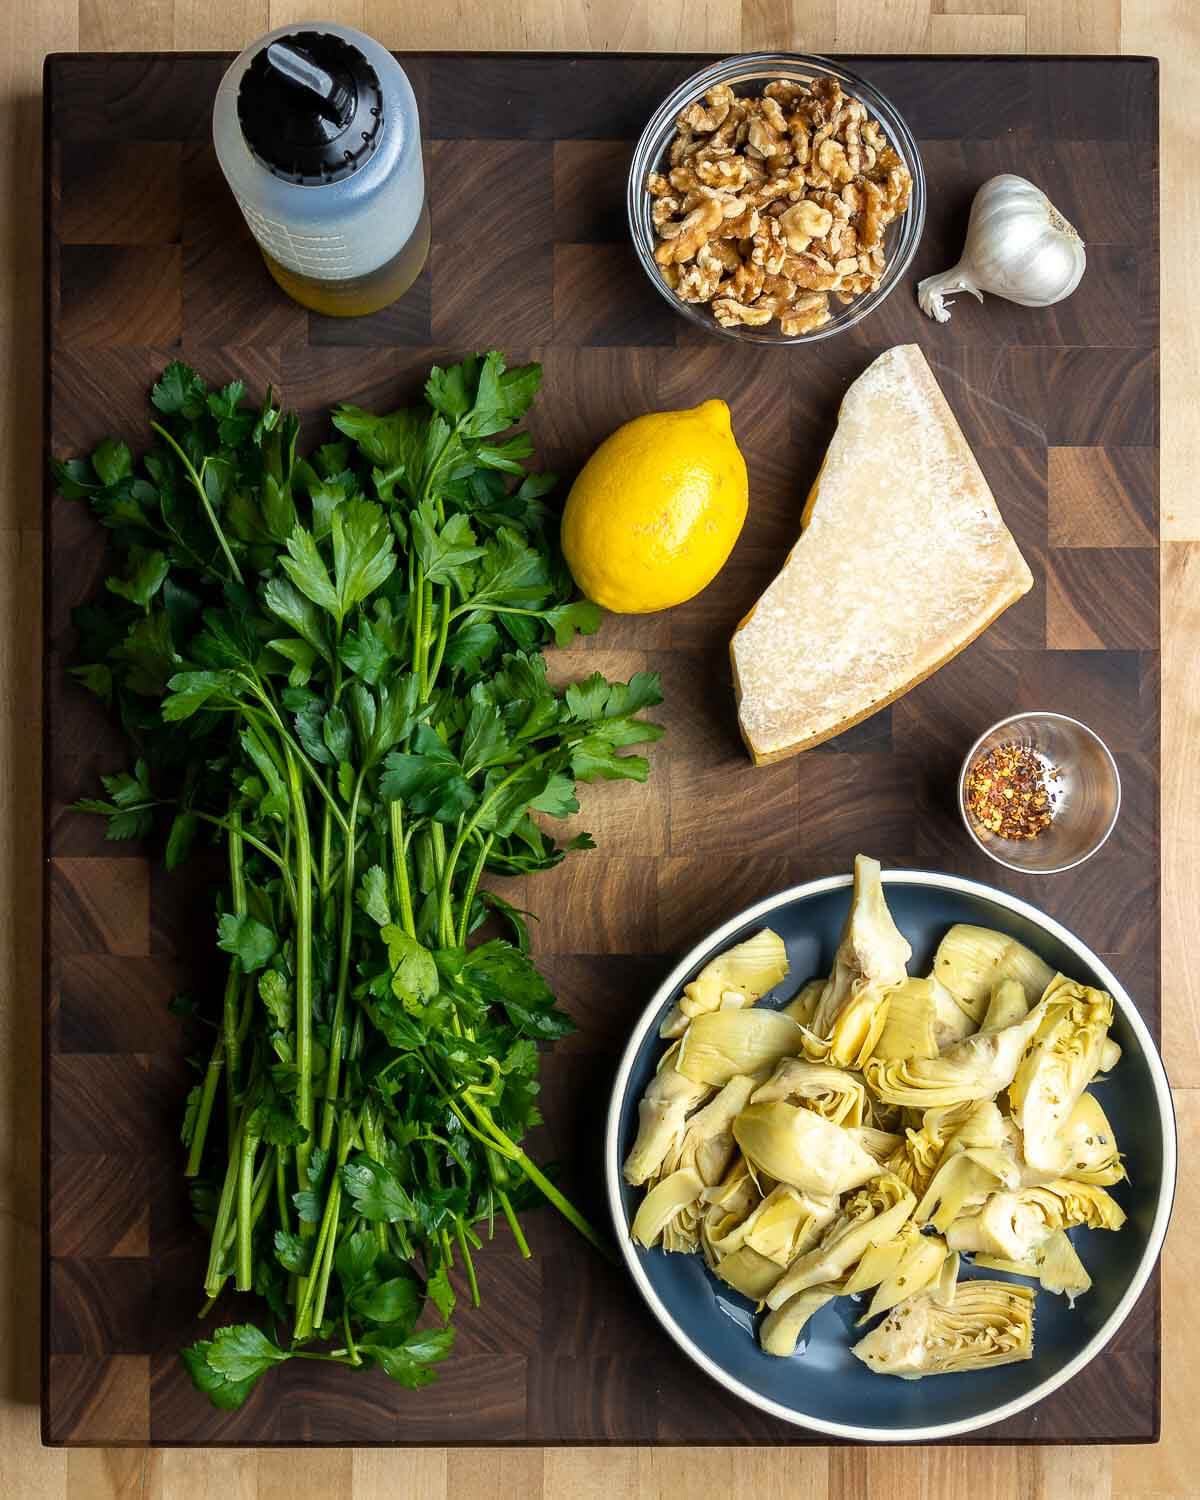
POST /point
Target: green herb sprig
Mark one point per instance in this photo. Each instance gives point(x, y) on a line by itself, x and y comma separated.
point(331, 667)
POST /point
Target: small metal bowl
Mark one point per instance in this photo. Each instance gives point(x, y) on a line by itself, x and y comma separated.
point(1087, 793)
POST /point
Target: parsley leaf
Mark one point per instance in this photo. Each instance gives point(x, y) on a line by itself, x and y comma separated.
point(375, 1192)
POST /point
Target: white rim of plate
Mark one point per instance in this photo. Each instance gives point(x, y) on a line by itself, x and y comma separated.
point(1158, 1230)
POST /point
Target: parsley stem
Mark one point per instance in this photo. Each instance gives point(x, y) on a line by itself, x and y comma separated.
point(281, 1198)
point(233, 986)
point(215, 1277)
point(335, 1197)
point(419, 643)
point(244, 1264)
point(343, 975)
point(247, 838)
point(208, 1095)
point(443, 634)
point(518, 1233)
point(303, 1325)
point(464, 925)
point(474, 606)
point(538, 1178)
point(469, 828)
point(303, 945)
point(290, 746)
point(400, 879)
point(468, 1263)
point(198, 486)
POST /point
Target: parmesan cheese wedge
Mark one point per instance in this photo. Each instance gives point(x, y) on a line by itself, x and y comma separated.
point(903, 560)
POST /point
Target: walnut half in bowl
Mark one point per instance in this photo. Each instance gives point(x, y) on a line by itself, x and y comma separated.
point(776, 198)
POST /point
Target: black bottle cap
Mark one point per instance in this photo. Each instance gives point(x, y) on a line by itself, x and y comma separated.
point(310, 108)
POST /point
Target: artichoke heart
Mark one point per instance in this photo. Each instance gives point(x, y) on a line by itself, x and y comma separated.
point(840, 1097)
point(748, 1272)
point(801, 1148)
point(662, 1114)
point(725, 1207)
point(660, 1205)
point(804, 1006)
point(1011, 1224)
point(1063, 1059)
point(911, 1028)
point(869, 1217)
point(724, 1043)
point(870, 962)
point(739, 977)
point(707, 1143)
point(1009, 1004)
point(785, 1224)
point(880, 1144)
point(960, 1185)
point(923, 1262)
point(970, 961)
point(917, 1158)
point(952, 1023)
point(989, 1323)
point(779, 1332)
point(1088, 1147)
point(978, 1067)
point(1055, 1264)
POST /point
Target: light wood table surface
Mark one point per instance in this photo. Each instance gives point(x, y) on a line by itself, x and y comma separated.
point(1169, 29)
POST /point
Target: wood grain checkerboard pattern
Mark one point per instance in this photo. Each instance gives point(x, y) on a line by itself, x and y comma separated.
point(526, 156)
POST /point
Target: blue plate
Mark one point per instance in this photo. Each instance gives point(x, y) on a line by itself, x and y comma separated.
point(823, 1386)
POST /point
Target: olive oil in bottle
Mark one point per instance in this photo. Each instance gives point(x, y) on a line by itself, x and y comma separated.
point(316, 131)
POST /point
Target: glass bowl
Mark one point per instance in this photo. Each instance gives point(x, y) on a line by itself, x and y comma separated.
point(750, 74)
point(1087, 793)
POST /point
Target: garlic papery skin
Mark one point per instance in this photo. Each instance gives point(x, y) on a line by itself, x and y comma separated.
point(1018, 246)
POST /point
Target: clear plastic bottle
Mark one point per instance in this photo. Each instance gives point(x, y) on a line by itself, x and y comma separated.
point(316, 131)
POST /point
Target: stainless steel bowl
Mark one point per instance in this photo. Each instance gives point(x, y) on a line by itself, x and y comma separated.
point(747, 75)
point(1087, 793)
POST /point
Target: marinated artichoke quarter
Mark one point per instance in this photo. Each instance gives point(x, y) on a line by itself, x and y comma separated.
point(884, 1135)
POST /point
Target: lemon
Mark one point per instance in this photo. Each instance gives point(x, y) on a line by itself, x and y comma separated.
point(656, 509)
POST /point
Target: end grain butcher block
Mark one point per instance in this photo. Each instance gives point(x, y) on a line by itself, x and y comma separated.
point(148, 261)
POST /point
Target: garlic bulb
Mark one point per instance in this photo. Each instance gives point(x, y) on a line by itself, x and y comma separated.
point(1018, 246)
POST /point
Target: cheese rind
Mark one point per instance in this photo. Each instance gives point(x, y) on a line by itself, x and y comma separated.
point(903, 560)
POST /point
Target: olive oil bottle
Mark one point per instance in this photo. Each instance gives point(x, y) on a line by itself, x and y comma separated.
point(317, 133)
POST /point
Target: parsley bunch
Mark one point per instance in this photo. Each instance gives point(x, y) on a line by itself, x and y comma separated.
point(331, 666)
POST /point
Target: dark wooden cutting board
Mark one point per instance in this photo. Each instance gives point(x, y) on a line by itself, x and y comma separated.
point(148, 261)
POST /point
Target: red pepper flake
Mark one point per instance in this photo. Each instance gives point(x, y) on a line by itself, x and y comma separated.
point(1010, 792)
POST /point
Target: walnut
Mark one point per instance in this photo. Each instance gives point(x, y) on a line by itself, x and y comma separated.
point(699, 283)
point(772, 206)
point(803, 222)
point(663, 210)
point(762, 138)
point(747, 282)
point(728, 312)
point(719, 100)
point(772, 113)
point(813, 272)
point(689, 235)
point(788, 93)
point(721, 253)
point(729, 172)
point(832, 158)
point(744, 227)
point(770, 247)
point(801, 139)
point(801, 318)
